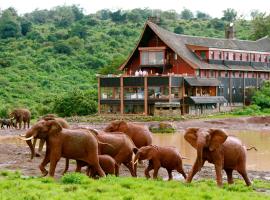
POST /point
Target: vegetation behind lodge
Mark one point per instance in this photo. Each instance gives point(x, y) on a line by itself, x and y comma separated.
point(49, 58)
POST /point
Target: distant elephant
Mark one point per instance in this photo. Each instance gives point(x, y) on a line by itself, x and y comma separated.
point(72, 144)
point(215, 146)
point(140, 135)
point(106, 162)
point(118, 146)
point(21, 115)
point(47, 117)
point(7, 122)
point(167, 157)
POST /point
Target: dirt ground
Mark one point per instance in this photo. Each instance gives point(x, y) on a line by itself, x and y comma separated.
point(15, 155)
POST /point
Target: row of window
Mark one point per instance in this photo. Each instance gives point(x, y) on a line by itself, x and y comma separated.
point(133, 93)
point(234, 74)
point(236, 56)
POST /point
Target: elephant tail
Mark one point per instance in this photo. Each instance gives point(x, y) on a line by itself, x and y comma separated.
point(250, 148)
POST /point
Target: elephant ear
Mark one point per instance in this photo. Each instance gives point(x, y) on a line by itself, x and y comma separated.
point(123, 126)
point(191, 136)
point(54, 126)
point(218, 137)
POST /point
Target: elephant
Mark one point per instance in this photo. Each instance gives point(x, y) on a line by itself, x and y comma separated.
point(216, 147)
point(7, 122)
point(118, 146)
point(140, 135)
point(72, 144)
point(21, 115)
point(106, 162)
point(47, 117)
point(167, 157)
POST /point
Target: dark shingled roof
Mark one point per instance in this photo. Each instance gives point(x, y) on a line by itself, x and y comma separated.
point(178, 44)
point(207, 99)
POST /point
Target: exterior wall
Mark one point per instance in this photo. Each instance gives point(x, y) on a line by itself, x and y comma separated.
point(181, 67)
point(167, 111)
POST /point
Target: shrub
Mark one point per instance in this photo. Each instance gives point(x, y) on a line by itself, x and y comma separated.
point(73, 178)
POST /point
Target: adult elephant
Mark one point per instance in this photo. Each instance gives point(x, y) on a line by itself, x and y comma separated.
point(118, 146)
point(71, 144)
point(21, 115)
point(215, 146)
point(140, 135)
point(60, 120)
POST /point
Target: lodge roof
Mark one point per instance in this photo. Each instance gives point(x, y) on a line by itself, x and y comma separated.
point(178, 43)
point(206, 99)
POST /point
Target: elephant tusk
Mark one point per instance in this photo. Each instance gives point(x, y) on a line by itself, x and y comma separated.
point(23, 135)
point(25, 139)
point(135, 162)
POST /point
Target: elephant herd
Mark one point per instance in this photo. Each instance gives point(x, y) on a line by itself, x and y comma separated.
point(103, 151)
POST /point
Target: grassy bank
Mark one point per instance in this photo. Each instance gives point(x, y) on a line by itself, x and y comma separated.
point(78, 186)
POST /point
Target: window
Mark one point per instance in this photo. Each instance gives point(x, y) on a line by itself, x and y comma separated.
point(134, 93)
point(219, 55)
point(253, 57)
point(247, 57)
point(226, 73)
point(219, 73)
point(241, 57)
point(234, 56)
point(227, 55)
point(159, 92)
point(212, 55)
point(203, 55)
point(109, 109)
point(152, 57)
point(212, 73)
point(198, 72)
point(240, 74)
point(175, 92)
point(110, 93)
point(133, 109)
point(233, 74)
point(260, 58)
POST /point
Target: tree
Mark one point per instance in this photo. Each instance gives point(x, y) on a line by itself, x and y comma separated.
point(118, 16)
point(262, 96)
point(260, 25)
point(25, 26)
point(63, 48)
point(179, 30)
point(202, 15)
point(229, 15)
point(9, 24)
point(186, 14)
point(79, 30)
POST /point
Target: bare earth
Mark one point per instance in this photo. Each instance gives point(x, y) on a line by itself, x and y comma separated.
point(15, 155)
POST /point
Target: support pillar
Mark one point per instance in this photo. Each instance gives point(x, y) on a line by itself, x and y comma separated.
point(145, 96)
point(121, 95)
point(99, 95)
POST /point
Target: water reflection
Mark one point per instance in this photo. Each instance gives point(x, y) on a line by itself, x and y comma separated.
point(256, 160)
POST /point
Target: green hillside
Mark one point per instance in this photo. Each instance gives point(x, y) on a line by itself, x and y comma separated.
point(49, 58)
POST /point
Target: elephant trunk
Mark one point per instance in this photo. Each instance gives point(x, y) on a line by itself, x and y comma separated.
point(200, 146)
point(29, 142)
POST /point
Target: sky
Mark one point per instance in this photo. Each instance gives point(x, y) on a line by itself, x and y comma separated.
point(212, 7)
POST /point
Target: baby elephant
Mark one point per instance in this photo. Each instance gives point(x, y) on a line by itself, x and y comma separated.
point(167, 157)
point(107, 163)
point(8, 123)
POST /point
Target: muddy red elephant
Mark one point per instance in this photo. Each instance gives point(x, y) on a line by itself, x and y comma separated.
point(215, 146)
point(71, 144)
point(140, 134)
point(60, 120)
point(118, 146)
point(167, 157)
point(21, 115)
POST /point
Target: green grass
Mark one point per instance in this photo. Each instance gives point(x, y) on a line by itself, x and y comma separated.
point(78, 186)
point(162, 130)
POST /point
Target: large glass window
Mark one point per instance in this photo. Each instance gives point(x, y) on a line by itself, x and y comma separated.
point(134, 93)
point(159, 92)
point(110, 93)
point(152, 57)
point(175, 91)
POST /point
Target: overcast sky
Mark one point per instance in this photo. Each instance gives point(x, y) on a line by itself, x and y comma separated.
point(212, 7)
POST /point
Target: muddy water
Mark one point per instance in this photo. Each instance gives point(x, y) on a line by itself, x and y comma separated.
point(256, 160)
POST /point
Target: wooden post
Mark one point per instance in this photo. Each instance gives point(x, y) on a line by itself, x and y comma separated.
point(121, 95)
point(145, 96)
point(230, 87)
point(99, 95)
point(170, 88)
point(183, 95)
point(244, 89)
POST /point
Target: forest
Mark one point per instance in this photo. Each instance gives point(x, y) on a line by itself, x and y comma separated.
point(49, 59)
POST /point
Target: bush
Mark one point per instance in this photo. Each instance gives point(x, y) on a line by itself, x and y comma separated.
point(73, 178)
point(77, 102)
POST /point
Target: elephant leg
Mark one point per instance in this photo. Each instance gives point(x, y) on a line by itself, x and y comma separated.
point(66, 166)
point(28, 124)
point(148, 169)
point(99, 170)
point(130, 168)
point(218, 169)
point(24, 125)
point(45, 161)
point(116, 169)
point(156, 168)
point(194, 170)
point(169, 174)
point(41, 144)
point(20, 125)
point(54, 158)
point(181, 171)
point(244, 175)
point(229, 175)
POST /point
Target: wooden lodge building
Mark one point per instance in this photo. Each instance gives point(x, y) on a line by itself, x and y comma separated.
point(168, 73)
